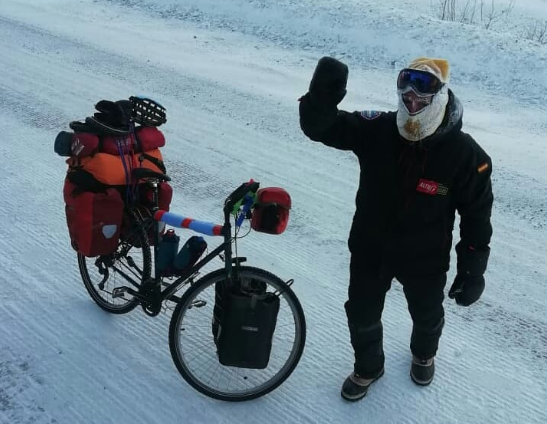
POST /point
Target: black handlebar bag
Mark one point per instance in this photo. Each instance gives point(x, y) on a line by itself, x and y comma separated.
point(245, 328)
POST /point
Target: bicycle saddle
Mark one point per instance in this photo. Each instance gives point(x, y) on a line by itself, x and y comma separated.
point(140, 173)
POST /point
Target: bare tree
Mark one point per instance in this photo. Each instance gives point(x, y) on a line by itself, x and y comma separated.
point(452, 10)
point(493, 14)
point(487, 11)
point(447, 10)
point(537, 32)
point(467, 13)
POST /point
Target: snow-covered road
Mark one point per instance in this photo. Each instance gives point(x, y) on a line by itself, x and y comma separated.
point(231, 98)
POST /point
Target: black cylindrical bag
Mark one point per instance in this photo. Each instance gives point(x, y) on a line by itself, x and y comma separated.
point(246, 329)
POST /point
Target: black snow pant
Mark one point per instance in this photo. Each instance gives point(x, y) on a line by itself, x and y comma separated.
point(366, 295)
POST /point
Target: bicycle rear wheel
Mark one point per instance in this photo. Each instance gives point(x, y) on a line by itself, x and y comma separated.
point(129, 265)
point(193, 348)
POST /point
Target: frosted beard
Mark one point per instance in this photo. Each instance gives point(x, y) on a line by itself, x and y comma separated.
point(422, 124)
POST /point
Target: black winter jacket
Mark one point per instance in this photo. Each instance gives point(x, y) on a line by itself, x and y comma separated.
point(408, 193)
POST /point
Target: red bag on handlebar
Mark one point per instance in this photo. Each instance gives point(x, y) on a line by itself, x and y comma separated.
point(271, 211)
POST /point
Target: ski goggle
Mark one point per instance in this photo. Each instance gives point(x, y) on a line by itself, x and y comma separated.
point(423, 82)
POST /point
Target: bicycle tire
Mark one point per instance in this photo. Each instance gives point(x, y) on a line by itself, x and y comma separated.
point(136, 236)
point(176, 327)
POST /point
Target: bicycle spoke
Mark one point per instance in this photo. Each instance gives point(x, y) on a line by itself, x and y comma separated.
point(192, 341)
point(131, 269)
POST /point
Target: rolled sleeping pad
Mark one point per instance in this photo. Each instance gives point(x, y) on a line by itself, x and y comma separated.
point(174, 220)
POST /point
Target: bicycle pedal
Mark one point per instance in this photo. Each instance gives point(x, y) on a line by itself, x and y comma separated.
point(239, 260)
point(198, 304)
point(119, 292)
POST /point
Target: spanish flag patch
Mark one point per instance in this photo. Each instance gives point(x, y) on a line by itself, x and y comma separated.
point(483, 167)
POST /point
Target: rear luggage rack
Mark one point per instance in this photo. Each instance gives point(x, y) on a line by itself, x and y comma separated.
point(147, 112)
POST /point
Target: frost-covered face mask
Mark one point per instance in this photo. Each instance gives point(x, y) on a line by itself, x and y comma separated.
point(420, 115)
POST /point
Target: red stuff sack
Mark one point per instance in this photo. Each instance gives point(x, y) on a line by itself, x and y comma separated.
point(271, 211)
point(82, 144)
point(150, 138)
point(144, 211)
point(71, 144)
point(114, 145)
point(94, 219)
point(147, 138)
point(165, 195)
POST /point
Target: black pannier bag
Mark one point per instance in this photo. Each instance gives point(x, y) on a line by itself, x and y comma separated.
point(243, 326)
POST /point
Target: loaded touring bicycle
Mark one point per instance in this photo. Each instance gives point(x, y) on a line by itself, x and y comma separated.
point(236, 333)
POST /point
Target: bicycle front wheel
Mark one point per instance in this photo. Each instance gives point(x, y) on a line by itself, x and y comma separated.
point(193, 349)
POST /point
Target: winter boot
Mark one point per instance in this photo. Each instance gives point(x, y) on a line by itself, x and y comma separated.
point(422, 370)
point(356, 387)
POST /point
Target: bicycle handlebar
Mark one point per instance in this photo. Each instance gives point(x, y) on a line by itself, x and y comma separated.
point(239, 193)
point(244, 193)
point(203, 227)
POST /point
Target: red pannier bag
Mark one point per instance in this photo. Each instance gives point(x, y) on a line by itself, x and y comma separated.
point(271, 211)
point(94, 219)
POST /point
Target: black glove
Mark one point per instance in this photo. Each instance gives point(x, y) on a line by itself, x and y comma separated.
point(469, 282)
point(115, 114)
point(328, 84)
point(466, 290)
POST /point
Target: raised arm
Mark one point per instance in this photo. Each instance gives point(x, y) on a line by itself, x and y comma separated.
point(320, 118)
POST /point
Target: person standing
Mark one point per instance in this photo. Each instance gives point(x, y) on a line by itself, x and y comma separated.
point(417, 169)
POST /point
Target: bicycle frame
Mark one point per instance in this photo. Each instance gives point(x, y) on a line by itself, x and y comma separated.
point(150, 292)
point(225, 247)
